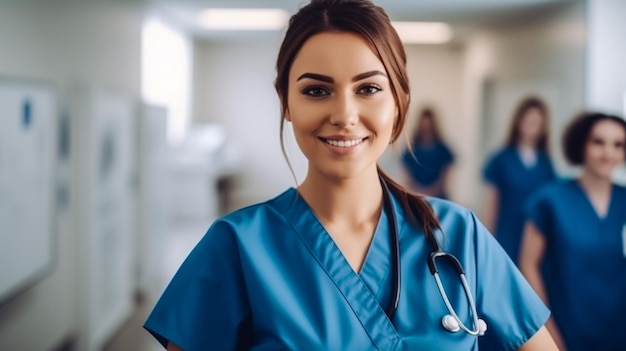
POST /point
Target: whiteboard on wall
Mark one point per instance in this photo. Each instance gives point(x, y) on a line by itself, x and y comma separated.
point(27, 116)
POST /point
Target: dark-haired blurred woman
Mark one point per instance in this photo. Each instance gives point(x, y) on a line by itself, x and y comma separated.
point(577, 228)
point(428, 159)
point(515, 171)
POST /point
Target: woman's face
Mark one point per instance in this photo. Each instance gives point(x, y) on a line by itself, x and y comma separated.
point(531, 125)
point(605, 148)
point(427, 126)
point(340, 105)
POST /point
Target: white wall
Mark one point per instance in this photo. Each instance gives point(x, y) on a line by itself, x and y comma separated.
point(63, 42)
point(233, 86)
point(606, 57)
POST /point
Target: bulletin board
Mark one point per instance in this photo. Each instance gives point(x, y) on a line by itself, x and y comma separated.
point(27, 244)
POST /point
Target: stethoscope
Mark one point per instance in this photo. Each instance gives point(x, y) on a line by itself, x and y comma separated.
point(451, 321)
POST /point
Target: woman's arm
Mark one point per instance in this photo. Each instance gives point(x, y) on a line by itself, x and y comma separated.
point(541, 341)
point(531, 256)
point(441, 186)
point(490, 212)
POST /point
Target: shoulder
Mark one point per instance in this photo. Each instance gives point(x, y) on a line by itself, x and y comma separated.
point(443, 207)
point(550, 194)
point(250, 218)
point(455, 219)
point(555, 189)
point(620, 190)
point(502, 153)
point(499, 156)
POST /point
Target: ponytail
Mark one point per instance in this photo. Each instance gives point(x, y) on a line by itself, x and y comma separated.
point(417, 209)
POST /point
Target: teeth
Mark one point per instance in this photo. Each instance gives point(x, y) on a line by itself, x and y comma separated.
point(344, 143)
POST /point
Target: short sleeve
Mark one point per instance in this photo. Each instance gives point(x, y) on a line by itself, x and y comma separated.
point(505, 300)
point(537, 210)
point(492, 173)
point(408, 159)
point(205, 304)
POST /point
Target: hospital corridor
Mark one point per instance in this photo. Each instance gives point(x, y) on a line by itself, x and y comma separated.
point(129, 129)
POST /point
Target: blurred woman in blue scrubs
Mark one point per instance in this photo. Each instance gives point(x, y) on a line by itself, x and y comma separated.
point(515, 171)
point(427, 161)
point(577, 228)
point(342, 261)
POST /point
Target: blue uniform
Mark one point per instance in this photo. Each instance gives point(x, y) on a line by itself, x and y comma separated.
point(514, 182)
point(431, 161)
point(269, 277)
point(585, 264)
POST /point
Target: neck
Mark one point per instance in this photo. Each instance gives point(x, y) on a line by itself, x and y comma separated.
point(348, 201)
point(527, 144)
point(428, 139)
point(594, 183)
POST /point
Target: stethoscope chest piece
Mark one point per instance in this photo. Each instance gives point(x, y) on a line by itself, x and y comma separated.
point(452, 325)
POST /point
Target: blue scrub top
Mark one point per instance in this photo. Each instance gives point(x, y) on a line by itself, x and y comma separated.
point(430, 163)
point(269, 277)
point(585, 264)
point(515, 183)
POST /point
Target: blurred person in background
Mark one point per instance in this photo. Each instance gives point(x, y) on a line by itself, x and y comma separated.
point(514, 172)
point(427, 160)
point(574, 249)
point(342, 261)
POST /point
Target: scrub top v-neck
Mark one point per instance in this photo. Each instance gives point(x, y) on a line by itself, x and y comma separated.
point(585, 264)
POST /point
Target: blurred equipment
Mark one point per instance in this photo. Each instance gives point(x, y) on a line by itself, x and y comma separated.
point(203, 160)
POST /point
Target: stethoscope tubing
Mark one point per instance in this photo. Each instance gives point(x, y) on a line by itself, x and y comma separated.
point(432, 266)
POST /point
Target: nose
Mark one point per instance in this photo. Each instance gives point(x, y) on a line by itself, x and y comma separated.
point(345, 112)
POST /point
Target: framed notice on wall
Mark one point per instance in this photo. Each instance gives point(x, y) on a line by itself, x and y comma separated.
point(27, 124)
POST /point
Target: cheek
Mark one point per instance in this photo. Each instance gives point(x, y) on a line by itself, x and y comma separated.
point(385, 116)
point(621, 154)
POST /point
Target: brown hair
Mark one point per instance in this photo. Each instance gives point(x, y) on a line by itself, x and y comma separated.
point(370, 22)
point(577, 134)
point(520, 111)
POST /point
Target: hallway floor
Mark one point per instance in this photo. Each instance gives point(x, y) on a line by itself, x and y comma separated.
point(132, 336)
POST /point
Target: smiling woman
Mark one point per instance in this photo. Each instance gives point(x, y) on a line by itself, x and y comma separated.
point(348, 259)
point(579, 228)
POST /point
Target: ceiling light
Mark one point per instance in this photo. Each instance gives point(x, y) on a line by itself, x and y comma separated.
point(423, 32)
point(243, 19)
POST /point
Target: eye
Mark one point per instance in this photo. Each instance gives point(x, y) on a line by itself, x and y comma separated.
point(315, 91)
point(619, 145)
point(596, 141)
point(369, 89)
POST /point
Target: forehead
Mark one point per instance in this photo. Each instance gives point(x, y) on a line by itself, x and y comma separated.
point(336, 54)
point(608, 129)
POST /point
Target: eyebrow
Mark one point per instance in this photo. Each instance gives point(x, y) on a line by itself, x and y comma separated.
point(328, 79)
